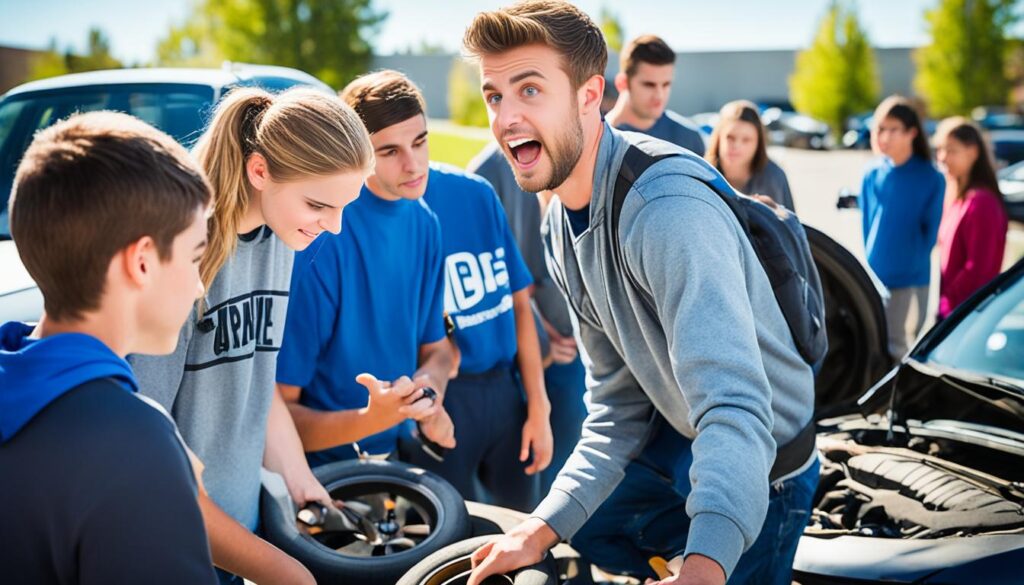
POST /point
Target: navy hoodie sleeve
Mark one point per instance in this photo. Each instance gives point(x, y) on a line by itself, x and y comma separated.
point(145, 525)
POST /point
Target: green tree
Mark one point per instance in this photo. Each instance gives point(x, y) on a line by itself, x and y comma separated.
point(965, 64)
point(836, 76)
point(465, 104)
point(97, 56)
point(327, 38)
point(612, 29)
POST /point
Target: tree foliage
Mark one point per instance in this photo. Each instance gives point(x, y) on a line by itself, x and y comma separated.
point(612, 29)
point(965, 64)
point(55, 62)
point(326, 38)
point(837, 76)
point(465, 104)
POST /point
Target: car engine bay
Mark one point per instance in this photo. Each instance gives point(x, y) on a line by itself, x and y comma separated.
point(913, 492)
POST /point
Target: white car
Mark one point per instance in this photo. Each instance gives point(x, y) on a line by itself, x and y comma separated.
point(178, 101)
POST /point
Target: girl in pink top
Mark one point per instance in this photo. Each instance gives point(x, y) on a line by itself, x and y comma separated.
point(972, 236)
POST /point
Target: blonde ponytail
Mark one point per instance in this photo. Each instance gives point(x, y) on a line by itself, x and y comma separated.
point(301, 133)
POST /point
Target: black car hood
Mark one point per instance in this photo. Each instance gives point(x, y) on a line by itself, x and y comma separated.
point(920, 390)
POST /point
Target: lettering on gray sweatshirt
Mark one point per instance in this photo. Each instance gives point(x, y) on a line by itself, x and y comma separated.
point(717, 359)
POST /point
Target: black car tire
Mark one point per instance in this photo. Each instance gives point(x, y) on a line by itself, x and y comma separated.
point(488, 515)
point(451, 565)
point(450, 523)
point(858, 354)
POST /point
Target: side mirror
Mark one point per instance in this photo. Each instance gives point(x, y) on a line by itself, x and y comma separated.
point(847, 199)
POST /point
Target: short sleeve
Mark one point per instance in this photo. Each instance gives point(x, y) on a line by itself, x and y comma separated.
point(312, 314)
point(432, 325)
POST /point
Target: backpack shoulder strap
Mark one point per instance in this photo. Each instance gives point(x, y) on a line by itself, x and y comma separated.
point(634, 163)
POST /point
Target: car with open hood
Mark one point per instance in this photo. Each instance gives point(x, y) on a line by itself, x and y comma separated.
point(923, 481)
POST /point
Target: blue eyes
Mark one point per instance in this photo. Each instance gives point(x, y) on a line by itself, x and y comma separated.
point(495, 99)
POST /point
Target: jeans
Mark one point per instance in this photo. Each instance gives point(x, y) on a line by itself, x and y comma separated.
point(646, 516)
point(566, 384)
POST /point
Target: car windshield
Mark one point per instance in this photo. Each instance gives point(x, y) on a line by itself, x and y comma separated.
point(178, 109)
point(989, 342)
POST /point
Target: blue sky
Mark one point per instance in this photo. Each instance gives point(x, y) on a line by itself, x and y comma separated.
point(688, 25)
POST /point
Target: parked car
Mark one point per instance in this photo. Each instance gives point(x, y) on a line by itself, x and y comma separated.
point(858, 131)
point(796, 130)
point(178, 101)
point(998, 118)
point(706, 120)
point(1011, 183)
point(1008, 146)
point(923, 482)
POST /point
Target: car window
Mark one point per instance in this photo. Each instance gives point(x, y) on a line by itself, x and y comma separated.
point(181, 110)
point(989, 341)
point(1015, 173)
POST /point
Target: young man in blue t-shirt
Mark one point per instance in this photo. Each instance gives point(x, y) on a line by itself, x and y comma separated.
point(369, 299)
point(110, 219)
point(487, 294)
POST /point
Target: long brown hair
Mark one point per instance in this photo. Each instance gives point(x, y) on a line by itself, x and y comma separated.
point(982, 174)
point(301, 133)
point(906, 112)
point(739, 111)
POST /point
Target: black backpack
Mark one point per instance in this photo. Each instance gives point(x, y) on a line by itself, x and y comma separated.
point(777, 237)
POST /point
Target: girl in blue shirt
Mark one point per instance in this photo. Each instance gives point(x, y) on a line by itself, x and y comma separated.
point(901, 199)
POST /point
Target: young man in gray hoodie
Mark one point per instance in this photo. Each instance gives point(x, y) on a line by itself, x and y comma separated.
point(691, 396)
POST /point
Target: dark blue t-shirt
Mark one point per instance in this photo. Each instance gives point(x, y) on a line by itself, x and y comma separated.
point(364, 300)
point(671, 127)
point(902, 209)
point(483, 267)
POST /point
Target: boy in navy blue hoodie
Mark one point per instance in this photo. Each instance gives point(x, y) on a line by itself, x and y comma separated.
point(110, 219)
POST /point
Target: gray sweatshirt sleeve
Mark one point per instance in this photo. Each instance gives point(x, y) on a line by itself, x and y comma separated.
point(697, 280)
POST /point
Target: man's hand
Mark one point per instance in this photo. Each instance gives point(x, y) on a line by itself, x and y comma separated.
point(439, 428)
point(563, 349)
point(537, 436)
point(423, 403)
point(696, 570)
point(524, 545)
point(387, 398)
point(304, 488)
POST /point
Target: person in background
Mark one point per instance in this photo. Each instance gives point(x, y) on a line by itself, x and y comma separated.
point(901, 201)
point(646, 71)
point(564, 375)
point(738, 149)
point(972, 236)
point(283, 167)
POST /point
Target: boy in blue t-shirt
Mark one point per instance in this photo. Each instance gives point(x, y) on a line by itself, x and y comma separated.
point(370, 299)
point(487, 294)
point(110, 219)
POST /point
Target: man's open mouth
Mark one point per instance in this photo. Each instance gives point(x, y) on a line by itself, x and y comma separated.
point(526, 151)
